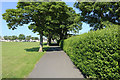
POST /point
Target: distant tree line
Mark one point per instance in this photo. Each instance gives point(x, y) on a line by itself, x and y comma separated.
point(20, 37)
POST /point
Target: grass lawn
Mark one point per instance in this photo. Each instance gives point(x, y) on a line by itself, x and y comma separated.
point(19, 58)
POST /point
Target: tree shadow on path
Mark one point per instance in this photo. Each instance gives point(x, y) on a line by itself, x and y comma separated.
point(48, 49)
point(54, 48)
point(35, 49)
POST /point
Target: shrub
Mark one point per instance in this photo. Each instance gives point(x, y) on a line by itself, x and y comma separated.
point(96, 53)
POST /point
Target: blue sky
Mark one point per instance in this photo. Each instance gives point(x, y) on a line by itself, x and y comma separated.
point(24, 29)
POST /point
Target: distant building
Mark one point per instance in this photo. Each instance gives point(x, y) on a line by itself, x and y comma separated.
point(44, 40)
point(3, 40)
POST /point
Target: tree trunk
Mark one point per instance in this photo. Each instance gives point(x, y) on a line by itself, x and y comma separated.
point(49, 39)
point(61, 36)
point(41, 43)
point(47, 42)
point(65, 37)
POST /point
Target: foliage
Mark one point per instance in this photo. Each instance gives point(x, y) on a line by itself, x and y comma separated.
point(94, 13)
point(43, 17)
point(5, 37)
point(35, 38)
point(28, 37)
point(10, 37)
point(21, 37)
point(96, 53)
point(14, 37)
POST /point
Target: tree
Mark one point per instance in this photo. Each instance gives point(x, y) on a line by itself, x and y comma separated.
point(63, 21)
point(14, 37)
point(28, 37)
point(55, 37)
point(43, 17)
point(21, 37)
point(6, 37)
point(32, 38)
point(35, 38)
point(96, 13)
point(72, 23)
point(9, 37)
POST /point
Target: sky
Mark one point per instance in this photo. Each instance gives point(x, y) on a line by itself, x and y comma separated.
point(24, 29)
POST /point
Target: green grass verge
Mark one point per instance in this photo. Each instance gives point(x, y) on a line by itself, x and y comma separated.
point(19, 58)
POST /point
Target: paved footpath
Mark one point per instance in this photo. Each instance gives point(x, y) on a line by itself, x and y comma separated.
point(55, 64)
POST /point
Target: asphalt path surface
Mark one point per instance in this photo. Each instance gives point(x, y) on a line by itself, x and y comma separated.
point(55, 63)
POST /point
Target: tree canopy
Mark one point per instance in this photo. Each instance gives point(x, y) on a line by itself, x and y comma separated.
point(34, 38)
point(46, 18)
point(28, 37)
point(96, 13)
point(21, 37)
point(14, 37)
point(5, 37)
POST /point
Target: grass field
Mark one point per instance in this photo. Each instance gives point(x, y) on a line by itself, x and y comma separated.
point(19, 58)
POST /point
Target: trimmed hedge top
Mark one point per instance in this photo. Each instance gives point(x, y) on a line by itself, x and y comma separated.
point(95, 53)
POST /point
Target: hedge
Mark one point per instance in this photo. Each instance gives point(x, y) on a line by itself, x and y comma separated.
point(95, 53)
